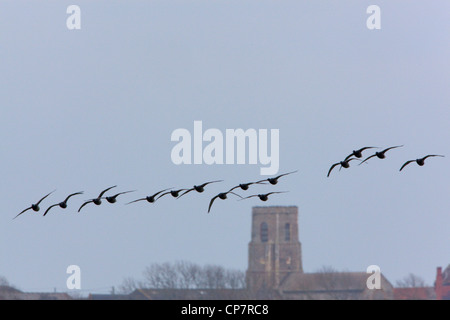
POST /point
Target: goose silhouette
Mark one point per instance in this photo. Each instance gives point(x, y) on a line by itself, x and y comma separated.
point(35, 206)
point(245, 186)
point(97, 201)
point(199, 188)
point(174, 193)
point(420, 161)
point(151, 198)
point(380, 155)
point(274, 180)
point(343, 164)
point(357, 153)
point(262, 197)
point(222, 196)
point(62, 204)
point(113, 199)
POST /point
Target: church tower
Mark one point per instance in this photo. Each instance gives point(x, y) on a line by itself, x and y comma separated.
point(274, 250)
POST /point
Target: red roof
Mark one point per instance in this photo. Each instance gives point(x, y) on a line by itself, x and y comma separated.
point(418, 293)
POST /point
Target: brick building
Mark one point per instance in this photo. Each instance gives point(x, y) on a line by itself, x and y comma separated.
point(275, 263)
point(442, 284)
point(274, 250)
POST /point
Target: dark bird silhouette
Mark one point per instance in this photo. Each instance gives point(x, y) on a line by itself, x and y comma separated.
point(245, 186)
point(357, 153)
point(262, 197)
point(343, 164)
point(35, 206)
point(151, 198)
point(97, 201)
point(222, 196)
point(420, 161)
point(199, 188)
point(113, 199)
point(381, 154)
point(275, 179)
point(174, 193)
point(62, 204)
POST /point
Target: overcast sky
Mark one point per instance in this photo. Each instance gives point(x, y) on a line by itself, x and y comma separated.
point(83, 110)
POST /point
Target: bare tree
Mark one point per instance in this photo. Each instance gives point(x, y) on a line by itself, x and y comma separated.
point(411, 281)
point(235, 279)
point(413, 287)
point(162, 276)
point(128, 285)
point(186, 275)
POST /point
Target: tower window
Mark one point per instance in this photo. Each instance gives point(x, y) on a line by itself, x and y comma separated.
point(264, 232)
point(287, 232)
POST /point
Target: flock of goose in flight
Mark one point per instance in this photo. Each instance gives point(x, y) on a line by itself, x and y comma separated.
point(357, 155)
point(175, 193)
point(178, 193)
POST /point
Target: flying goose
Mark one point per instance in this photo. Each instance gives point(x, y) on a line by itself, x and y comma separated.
point(151, 198)
point(381, 154)
point(262, 197)
point(344, 164)
point(222, 196)
point(357, 153)
point(174, 193)
point(420, 161)
point(62, 204)
point(199, 188)
point(275, 179)
point(245, 186)
point(35, 206)
point(113, 199)
point(97, 201)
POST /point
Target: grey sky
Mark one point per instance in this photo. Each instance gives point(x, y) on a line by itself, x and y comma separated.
point(86, 109)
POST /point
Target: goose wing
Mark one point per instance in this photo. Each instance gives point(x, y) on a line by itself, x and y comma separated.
point(267, 194)
point(84, 204)
point(331, 168)
point(103, 192)
point(163, 194)
point(367, 159)
point(160, 192)
point(254, 195)
point(211, 202)
point(285, 174)
point(48, 209)
point(137, 200)
point(22, 212)
point(71, 195)
point(365, 148)
point(385, 150)
point(44, 197)
point(432, 155)
point(187, 191)
point(405, 164)
point(206, 183)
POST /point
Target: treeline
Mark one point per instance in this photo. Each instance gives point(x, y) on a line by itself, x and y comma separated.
point(185, 275)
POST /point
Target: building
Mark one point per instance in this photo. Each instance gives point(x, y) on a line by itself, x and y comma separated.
point(274, 250)
point(275, 263)
point(10, 293)
point(442, 283)
point(415, 293)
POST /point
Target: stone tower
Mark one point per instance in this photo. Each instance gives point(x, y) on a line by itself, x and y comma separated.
point(274, 250)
